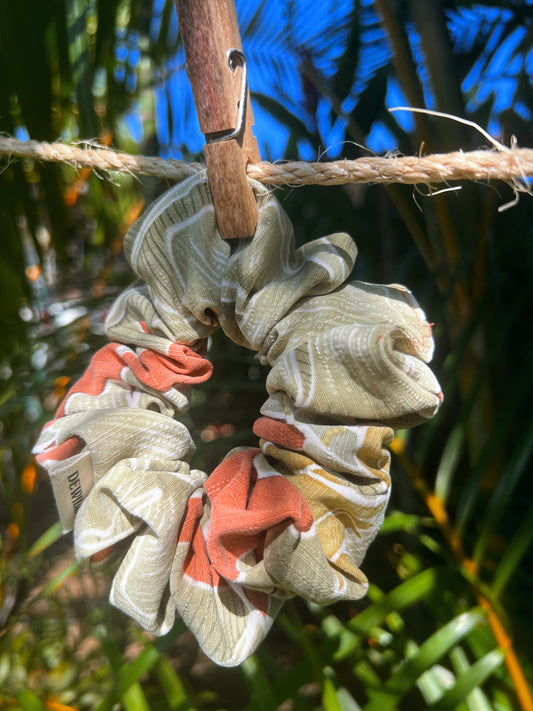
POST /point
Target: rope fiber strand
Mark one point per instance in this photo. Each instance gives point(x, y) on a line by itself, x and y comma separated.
point(512, 166)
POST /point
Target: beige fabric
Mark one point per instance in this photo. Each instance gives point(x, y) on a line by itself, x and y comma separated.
point(348, 363)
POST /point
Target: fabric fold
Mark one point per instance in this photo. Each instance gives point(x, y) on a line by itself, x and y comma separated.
point(296, 515)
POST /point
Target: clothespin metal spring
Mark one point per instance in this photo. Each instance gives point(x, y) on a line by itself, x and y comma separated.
point(241, 118)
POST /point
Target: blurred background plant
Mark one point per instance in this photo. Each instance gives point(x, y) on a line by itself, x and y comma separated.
point(446, 624)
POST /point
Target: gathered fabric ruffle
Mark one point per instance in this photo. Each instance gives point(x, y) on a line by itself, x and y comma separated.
point(296, 515)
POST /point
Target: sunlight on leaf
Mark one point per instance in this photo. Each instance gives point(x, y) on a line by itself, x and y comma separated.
point(467, 682)
point(47, 539)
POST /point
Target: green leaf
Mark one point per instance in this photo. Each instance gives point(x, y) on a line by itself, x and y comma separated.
point(399, 521)
point(449, 460)
point(434, 682)
point(476, 699)
point(30, 73)
point(172, 685)
point(59, 579)
point(433, 649)
point(134, 699)
point(347, 63)
point(29, 701)
point(259, 684)
point(346, 700)
point(131, 672)
point(451, 372)
point(514, 398)
point(371, 100)
point(471, 490)
point(107, 11)
point(330, 701)
point(81, 69)
point(291, 623)
point(451, 369)
point(503, 492)
point(474, 677)
point(47, 539)
point(514, 553)
point(503, 702)
point(407, 593)
point(77, 38)
point(366, 674)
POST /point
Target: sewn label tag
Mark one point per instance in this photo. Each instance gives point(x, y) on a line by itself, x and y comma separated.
point(71, 481)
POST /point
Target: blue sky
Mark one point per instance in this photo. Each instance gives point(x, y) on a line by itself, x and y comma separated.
point(276, 37)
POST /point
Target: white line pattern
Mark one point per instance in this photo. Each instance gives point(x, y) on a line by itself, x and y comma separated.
point(348, 364)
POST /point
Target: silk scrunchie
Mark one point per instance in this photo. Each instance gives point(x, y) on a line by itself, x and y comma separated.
point(293, 517)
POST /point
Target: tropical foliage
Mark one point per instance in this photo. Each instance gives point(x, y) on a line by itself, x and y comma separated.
point(446, 622)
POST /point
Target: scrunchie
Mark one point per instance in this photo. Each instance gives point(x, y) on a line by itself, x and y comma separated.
point(294, 516)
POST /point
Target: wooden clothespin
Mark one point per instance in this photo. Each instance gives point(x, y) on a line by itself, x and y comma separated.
point(217, 72)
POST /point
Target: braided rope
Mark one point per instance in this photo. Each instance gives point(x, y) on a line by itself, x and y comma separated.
point(512, 165)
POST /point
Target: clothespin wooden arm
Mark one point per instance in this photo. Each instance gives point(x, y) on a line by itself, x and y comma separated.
point(209, 30)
